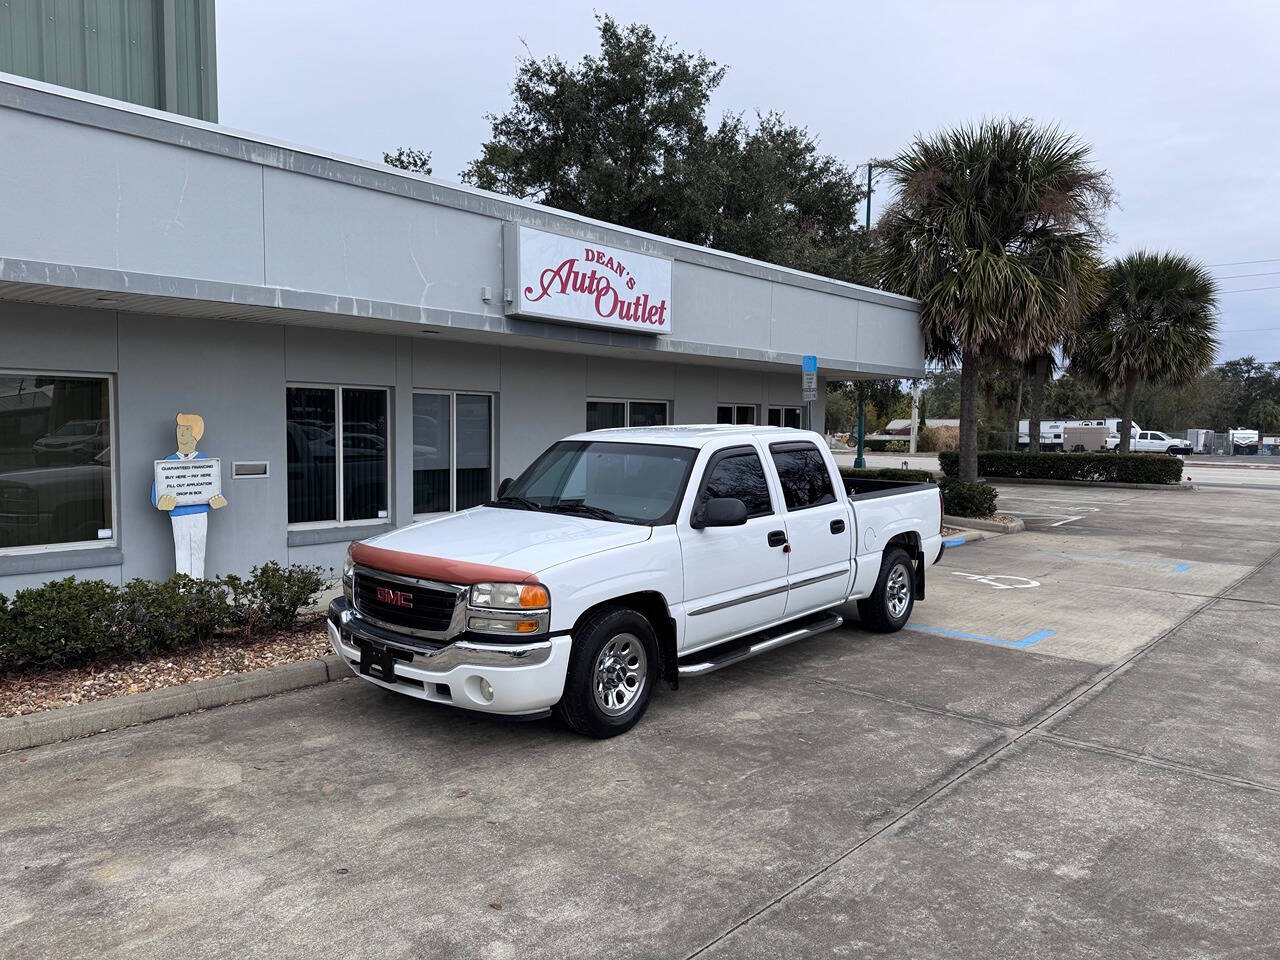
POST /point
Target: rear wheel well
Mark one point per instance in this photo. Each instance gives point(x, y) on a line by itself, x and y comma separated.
point(910, 542)
point(653, 606)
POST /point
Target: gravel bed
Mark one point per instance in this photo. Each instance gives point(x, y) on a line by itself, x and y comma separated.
point(34, 691)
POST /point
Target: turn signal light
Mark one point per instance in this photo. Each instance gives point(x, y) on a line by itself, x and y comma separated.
point(534, 595)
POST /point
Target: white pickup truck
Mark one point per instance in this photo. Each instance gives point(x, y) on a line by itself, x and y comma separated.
point(621, 558)
point(1151, 441)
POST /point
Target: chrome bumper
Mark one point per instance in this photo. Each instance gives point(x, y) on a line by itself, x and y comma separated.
point(460, 653)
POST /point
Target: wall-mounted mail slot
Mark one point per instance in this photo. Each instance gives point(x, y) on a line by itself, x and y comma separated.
point(250, 469)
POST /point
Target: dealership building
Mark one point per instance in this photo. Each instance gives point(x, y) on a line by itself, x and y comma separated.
point(363, 346)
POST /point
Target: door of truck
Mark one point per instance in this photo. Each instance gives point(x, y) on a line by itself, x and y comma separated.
point(735, 578)
point(817, 521)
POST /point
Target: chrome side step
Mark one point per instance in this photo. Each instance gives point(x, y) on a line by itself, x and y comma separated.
point(766, 643)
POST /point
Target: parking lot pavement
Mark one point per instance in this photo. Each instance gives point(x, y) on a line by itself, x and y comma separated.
point(1085, 767)
point(1054, 852)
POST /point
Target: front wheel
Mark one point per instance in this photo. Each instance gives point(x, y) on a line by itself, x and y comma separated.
point(610, 677)
point(889, 606)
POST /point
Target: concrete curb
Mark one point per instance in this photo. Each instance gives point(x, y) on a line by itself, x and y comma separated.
point(965, 536)
point(66, 723)
point(1091, 483)
point(991, 526)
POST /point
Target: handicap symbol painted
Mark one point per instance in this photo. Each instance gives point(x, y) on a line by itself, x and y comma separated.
point(999, 581)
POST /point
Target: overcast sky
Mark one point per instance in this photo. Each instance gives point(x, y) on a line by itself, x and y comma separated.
point(1179, 100)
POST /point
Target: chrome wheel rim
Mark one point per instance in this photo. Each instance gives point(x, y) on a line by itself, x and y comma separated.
point(898, 590)
point(621, 669)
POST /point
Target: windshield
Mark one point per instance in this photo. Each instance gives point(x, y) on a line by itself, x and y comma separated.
point(624, 482)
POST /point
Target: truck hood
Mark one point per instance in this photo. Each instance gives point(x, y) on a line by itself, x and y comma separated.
point(523, 540)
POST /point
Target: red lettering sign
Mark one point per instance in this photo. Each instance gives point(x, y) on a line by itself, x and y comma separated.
point(585, 282)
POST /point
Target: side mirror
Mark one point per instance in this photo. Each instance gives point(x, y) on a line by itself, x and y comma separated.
point(504, 486)
point(721, 512)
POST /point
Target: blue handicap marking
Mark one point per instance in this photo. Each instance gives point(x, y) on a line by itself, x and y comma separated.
point(1027, 641)
point(953, 542)
point(1182, 568)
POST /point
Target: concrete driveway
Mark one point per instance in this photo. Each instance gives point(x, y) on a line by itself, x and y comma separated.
point(1085, 767)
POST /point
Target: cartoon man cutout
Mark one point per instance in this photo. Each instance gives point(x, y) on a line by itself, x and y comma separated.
point(190, 521)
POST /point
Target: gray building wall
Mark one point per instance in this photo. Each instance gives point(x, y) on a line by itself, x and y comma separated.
point(240, 227)
point(156, 53)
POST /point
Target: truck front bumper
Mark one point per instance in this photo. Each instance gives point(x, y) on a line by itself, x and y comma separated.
point(518, 679)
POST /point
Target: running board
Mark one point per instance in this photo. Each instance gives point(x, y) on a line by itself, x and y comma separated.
point(746, 649)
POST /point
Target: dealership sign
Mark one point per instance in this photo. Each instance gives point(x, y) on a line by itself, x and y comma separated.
point(550, 277)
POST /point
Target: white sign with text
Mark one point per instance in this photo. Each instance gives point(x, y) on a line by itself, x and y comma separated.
point(189, 481)
point(551, 277)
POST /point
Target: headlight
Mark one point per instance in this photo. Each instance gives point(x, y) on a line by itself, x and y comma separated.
point(518, 609)
point(348, 578)
point(510, 596)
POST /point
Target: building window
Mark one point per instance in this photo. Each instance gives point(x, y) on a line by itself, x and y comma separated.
point(784, 417)
point(603, 414)
point(336, 440)
point(448, 429)
point(55, 460)
point(739, 413)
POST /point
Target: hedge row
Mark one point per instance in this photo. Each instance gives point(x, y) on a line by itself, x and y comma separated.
point(1109, 467)
point(887, 473)
point(68, 622)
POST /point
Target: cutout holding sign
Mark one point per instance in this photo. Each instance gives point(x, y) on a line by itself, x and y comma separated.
point(558, 278)
point(187, 486)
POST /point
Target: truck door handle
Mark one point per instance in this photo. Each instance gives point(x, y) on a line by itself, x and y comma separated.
point(837, 526)
point(777, 538)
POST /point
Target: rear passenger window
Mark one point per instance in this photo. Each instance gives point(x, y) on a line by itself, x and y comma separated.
point(806, 482)
point(739, 475)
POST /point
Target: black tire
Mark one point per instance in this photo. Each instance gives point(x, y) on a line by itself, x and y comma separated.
point(635, 647)
point(877, 611)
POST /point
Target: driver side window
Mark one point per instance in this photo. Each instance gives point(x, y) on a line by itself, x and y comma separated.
point(737, 474)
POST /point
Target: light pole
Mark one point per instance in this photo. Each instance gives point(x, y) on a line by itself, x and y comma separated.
point(860, 460)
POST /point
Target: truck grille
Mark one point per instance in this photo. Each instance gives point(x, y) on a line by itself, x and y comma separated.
point(402, 604)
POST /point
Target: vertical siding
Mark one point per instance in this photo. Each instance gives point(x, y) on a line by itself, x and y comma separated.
point(116, 48)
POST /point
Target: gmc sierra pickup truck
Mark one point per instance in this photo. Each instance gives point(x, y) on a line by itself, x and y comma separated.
point(621, 558)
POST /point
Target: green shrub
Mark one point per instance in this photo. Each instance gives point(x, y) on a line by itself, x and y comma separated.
point(897, 446)
point(887, 473)
point(968, 499)
point(1098, 467)
point(273, 595)
point(71, 621)
point(63, 621)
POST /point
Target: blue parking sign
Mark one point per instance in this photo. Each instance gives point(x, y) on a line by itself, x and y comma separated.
point(809, 364)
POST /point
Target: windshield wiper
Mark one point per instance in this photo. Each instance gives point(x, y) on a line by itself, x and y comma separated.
point(520, 503)
point(599, 513)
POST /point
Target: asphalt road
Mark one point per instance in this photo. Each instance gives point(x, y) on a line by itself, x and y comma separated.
point(1073, 752)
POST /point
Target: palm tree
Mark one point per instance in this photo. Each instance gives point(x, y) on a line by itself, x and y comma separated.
point(995, 229)
point(1156, 322)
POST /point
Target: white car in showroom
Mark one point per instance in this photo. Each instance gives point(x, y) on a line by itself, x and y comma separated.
point(625, 557)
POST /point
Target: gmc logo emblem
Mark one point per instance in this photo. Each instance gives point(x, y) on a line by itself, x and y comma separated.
point(397, 598)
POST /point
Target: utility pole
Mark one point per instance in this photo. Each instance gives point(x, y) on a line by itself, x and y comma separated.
point(861, 460)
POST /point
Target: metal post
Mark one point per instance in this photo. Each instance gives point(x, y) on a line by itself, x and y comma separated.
point(915, 413)
point(861, 460)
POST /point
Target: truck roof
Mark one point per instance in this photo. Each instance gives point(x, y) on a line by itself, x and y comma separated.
point(695, 434)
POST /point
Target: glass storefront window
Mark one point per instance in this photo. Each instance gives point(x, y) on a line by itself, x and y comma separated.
point(55, 460)
point(603, 414)
point(316, 417)
point(451, 429)
point(784, 417)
